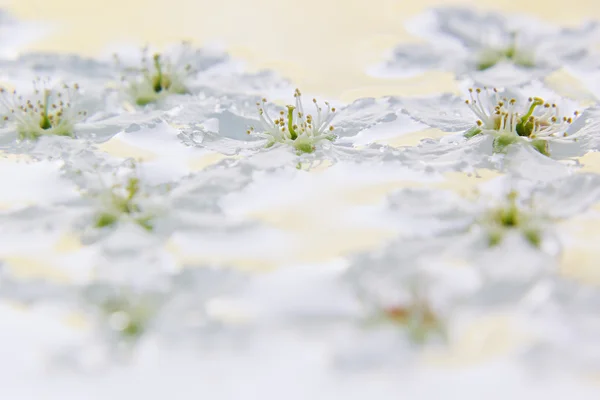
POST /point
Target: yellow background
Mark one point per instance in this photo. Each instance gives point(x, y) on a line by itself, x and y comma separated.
point(322, 45)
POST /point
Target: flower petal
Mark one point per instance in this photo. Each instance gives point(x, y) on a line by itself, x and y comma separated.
point(446, 112)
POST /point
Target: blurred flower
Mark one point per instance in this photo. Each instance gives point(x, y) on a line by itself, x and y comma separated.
point(413, 283)
point(163, 74)
point(493, 49)
point(504, 207)
point(125, 200)
point(157, 79)
point(511, 216)
point(123, 312)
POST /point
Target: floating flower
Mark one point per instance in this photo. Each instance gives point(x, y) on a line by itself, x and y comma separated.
point(536, 123)
point(158, 79)
point(509, 117)
point(128, 313)
point(435, 213)
point(494, 49)
point(511, 216)
point(417, 317)
point(295, 127)
point(163, 74)
point(125, 201)
point(519, 208)
point(124, 312)
point(48, 111)
point(412, 284)
point(508, 50)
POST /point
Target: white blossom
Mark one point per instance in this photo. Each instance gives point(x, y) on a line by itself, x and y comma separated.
point(491, 48)
point(295, 127)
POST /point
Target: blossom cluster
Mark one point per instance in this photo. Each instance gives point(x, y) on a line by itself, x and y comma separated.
point(146, 190)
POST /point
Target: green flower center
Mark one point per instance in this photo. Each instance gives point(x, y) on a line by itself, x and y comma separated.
point(528, 122)
point(526, 126)
point(48, 118)
point(160, 81)
point(130, 320)
point(510, 217)
point(125, 205)
point(510, 52)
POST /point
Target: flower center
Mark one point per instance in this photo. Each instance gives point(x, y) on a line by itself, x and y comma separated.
point(302, 129)
point(418, 318)
point(509, 217)
point(127, 318)
point(290, 123)
point(126, 204)
point(510, 52)
point(50, 113)
point(45, 122)
point(160, 81)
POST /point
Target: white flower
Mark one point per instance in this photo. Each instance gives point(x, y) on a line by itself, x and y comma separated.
point(125, 200)
point(412, 284)
point(159, 75)
point(508, 116)
point(510, 215)
point(494, 49)
point(296, 128)
point(505, 206)
point(511, 120)
point(47, 111)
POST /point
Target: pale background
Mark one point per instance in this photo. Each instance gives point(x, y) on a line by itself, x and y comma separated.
point(322, 45)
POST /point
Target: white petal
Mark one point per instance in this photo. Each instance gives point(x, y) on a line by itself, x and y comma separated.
point(446, 112)
point(412, 59)
point(34, 183)
point(506, 74)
